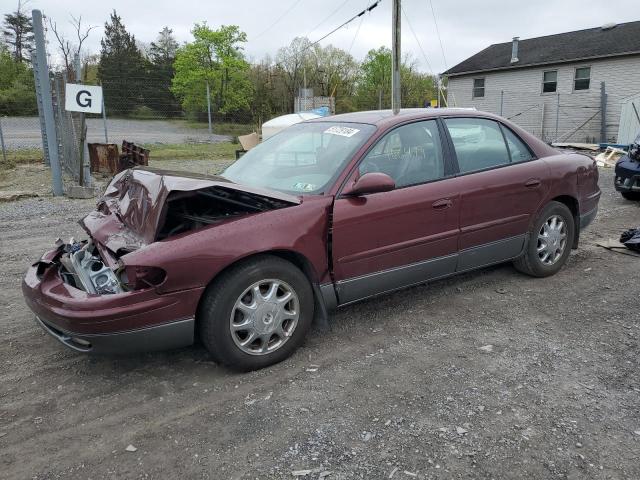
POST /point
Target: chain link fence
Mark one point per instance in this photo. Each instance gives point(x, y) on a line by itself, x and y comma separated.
point(555, 117)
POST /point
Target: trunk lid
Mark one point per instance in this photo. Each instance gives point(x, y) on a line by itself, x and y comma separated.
point(142, 205)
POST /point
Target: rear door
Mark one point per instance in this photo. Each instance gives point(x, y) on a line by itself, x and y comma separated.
point(384, 241)
point(504, 186)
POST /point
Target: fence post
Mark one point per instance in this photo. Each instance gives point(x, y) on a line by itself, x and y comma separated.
point(4, 150)
point(104, 121)
point(603, 113)
point(557, 116)
point(501, 101)
point(47, 102)
point(209, 108)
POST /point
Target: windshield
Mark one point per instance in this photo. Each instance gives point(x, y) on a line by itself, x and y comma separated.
point(302, 159)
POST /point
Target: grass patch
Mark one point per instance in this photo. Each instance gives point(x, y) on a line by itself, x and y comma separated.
point(192, 151)
point(23, 155)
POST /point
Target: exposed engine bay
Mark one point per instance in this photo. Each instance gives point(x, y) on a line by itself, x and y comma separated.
point(82, 267)
point(194, 209)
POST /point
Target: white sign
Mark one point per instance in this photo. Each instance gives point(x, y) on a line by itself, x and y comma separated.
point(83, 98)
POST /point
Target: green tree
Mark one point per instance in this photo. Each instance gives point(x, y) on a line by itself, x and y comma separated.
point(214, 57)
point(18, 33)
point(374, 84)
point(122, 68)
point(162, 55)
point(17, 90)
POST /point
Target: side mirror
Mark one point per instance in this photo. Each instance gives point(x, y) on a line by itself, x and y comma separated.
point(373, 182)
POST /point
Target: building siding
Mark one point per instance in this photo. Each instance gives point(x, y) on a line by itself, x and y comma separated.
point(525, 104)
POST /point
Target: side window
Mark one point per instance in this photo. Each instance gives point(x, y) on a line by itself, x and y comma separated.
point(518, 150)
point(478, 143)
point(582, 78)
point(478, 88)
point(549, 81)
point(410, 154)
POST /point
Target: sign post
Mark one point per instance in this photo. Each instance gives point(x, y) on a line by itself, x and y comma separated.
point(83, 99)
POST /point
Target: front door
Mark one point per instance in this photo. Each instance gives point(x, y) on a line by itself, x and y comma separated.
point(503, 188)
point(384, 241)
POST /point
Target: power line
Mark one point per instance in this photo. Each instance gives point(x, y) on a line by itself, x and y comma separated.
point(356, 34)
point(327, 18)
point(284, 14)
point(357, 15)
point(406, 17)
point(433, 12)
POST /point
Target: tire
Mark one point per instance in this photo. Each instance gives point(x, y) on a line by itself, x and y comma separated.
point(633, 196)
point(532, 262)
point(234, 293)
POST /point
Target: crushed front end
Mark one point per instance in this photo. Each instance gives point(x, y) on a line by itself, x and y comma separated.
point(92, 307)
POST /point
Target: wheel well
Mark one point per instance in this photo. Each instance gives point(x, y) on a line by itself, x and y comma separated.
point(295, 258)
point(572, 204)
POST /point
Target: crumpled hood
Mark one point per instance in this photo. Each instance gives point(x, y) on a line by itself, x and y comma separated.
point(129, 212)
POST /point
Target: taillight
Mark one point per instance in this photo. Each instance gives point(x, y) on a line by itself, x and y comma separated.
point(137, 277)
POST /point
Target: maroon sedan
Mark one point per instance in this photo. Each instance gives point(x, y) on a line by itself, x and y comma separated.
point(326, 213)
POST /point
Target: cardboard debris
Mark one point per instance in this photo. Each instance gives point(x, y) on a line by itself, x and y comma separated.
point(249, 141)
point(577, 146)
point(616, 246)
point(609, 157)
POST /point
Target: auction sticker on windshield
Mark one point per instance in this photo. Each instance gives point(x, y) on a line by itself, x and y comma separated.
point(305, 187)
point(342, 131)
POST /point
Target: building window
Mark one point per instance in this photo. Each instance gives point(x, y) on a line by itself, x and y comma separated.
point(549, 81)
point(582, 78)
point(478, 87)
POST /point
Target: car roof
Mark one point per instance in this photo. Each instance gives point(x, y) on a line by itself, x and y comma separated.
point(385, 117)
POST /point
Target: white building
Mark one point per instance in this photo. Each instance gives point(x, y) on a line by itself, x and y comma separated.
point(553, 86)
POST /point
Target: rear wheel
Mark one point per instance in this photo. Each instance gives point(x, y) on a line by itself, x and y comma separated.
point(631, 195)
point(550, 241)
point(256, 314)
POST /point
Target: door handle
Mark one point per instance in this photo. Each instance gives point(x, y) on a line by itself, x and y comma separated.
point(533, 183)
point(442, 204)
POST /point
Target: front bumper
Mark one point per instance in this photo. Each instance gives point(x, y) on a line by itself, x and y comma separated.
point(627, 175)
point(160, 337)
point(136, 321)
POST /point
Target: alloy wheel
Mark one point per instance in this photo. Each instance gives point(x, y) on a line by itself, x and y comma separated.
point(264, 317)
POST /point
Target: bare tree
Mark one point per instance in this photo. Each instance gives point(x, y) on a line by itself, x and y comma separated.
point(67, 49)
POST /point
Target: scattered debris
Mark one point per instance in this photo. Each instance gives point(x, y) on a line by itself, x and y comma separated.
point(609, 157)
point(411, 474)
point(326, 473)
point(461, 431)
point(393, 472)
point(631, 239)
point(577, 146)
point(487, 348)
point(616, 246)
point(301, 473)
point(131, 448)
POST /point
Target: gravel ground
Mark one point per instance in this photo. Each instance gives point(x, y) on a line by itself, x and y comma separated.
point(487, 375)
point(24, 132)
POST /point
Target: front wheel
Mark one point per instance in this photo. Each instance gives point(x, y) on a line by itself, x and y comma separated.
point(631, 195)
point(256, 314)
point(550, 241)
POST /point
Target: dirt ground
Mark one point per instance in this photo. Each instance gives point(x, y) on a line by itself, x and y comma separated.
point(487, 375)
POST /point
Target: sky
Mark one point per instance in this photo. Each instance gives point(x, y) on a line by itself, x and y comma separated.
point(465, 26)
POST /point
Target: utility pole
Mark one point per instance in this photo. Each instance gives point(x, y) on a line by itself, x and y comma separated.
point(395, 57)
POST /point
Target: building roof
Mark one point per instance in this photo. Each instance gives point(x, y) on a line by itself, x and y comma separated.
point(606, 41)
